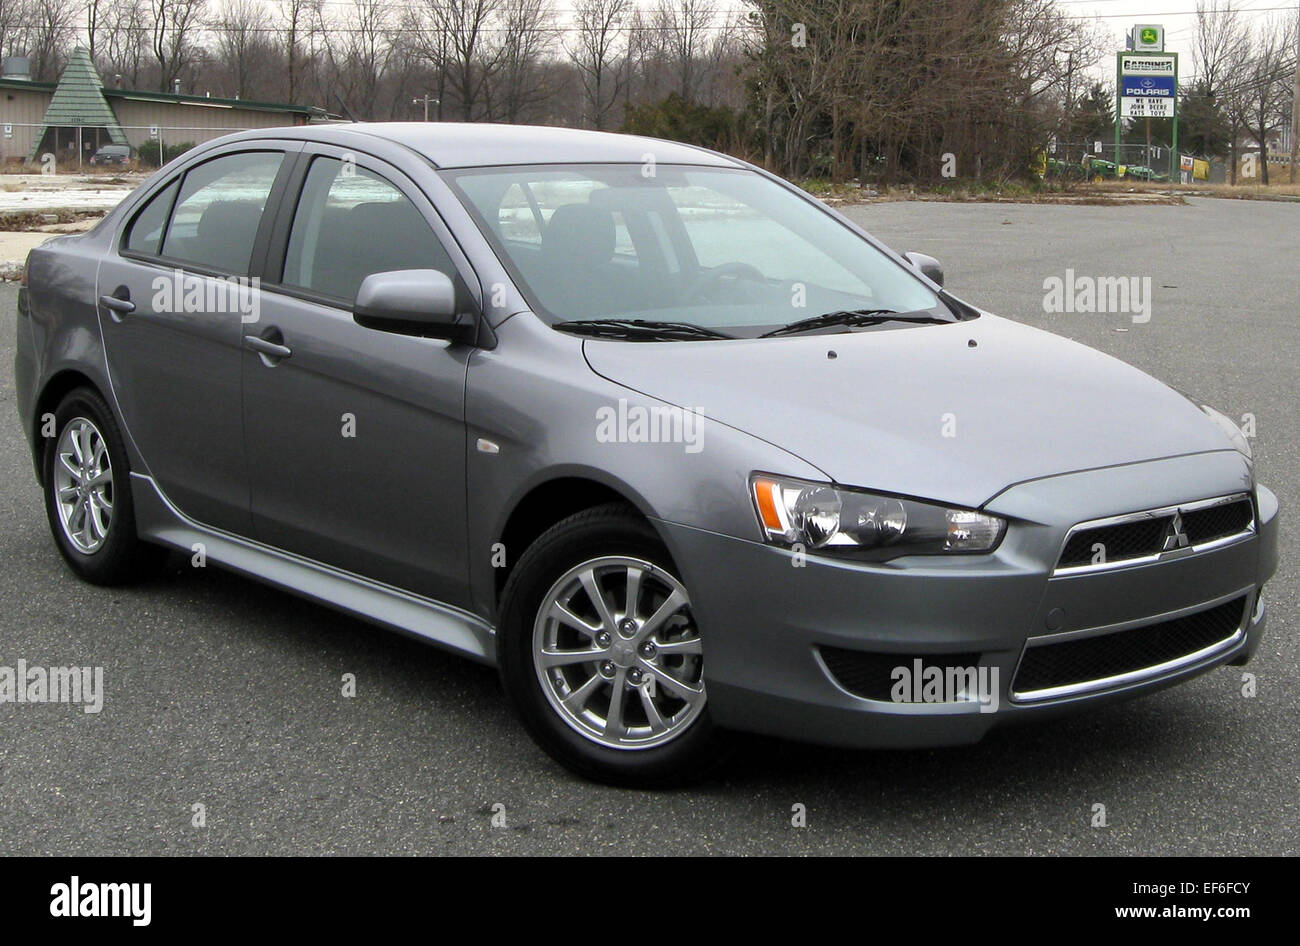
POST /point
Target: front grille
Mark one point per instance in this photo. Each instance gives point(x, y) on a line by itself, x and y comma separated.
point(1088, 659)
point(1118, 542)
point(1144, 535)
point(1217, 522)
point(869, 675)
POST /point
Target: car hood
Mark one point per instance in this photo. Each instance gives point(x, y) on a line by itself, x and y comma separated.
point(955, 413)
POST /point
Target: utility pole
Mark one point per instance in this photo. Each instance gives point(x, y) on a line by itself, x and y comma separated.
point(426, 100)
point(1069, 84)
point(1295, 99)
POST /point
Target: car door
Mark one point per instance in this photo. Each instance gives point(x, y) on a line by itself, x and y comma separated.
point(172, 296)
point(356, 436)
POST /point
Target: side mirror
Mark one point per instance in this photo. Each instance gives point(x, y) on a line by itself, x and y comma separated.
point(927, 266)
point(411, 302)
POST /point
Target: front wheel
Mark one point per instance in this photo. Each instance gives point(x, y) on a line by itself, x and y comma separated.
point(601, 656)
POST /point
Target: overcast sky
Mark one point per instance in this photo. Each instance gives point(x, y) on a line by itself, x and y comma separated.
point(1178, 17)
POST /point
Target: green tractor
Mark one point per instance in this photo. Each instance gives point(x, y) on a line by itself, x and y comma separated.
point(1141, 172)
point(1098, 170)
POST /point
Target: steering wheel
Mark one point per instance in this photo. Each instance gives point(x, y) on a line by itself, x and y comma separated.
point(710, 281)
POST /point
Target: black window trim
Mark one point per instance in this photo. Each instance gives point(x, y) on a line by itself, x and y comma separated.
point(290, 152)
point(278, 241)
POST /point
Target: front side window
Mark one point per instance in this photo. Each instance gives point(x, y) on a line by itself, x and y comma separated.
point(219, 210)
point(726, 249)
point(351, 222)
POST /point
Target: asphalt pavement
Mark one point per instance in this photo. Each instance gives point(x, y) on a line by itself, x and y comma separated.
point(227, 694)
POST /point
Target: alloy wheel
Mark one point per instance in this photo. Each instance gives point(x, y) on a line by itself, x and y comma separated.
point(83, 485)
point(618, 654)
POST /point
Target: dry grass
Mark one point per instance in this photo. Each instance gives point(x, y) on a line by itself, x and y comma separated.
point(35, 220)
point(1118, 192)
point(1246, 191)
point(1008, 192)
point(1280, 189)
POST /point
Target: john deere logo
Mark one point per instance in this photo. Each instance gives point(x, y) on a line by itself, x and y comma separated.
point(1149, 36)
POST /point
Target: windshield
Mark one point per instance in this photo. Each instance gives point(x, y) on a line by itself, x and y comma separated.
point(723, 249)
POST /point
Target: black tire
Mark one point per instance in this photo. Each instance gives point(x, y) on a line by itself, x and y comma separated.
point(609, 530)
point(121, 556)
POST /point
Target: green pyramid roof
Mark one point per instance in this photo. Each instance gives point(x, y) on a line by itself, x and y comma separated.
point(79, 100)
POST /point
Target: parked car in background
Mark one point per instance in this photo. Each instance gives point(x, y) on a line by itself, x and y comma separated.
point(677, 447)
point(112, 155)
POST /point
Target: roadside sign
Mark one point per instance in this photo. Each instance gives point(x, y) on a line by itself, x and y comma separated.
point(9, 130)
point(1135, 64)
point(1148, 85)
point(153, 131)
point(1147, 38)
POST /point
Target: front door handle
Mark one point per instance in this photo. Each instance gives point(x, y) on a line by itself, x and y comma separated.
point(270, 351)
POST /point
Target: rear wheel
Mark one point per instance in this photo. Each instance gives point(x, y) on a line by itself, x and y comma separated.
point(601, 656)
point(88, 493)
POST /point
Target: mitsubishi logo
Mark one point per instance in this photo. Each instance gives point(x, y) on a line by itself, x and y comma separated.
point(1175, 537)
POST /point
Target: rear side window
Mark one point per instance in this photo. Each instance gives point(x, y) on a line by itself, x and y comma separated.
point(147, 228)
point(350, 222)
point(219, 209)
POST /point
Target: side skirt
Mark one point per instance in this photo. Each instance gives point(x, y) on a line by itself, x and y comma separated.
point(157, 520)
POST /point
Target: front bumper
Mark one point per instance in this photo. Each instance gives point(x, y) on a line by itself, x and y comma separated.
point(770, 625)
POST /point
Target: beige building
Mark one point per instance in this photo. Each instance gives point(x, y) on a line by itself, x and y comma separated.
point(77, 115)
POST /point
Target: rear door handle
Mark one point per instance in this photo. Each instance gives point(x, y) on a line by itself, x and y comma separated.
point(268, 348)
point(121, 306)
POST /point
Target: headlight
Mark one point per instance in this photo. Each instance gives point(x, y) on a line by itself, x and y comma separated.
point(866, 525)
point(1229, 427)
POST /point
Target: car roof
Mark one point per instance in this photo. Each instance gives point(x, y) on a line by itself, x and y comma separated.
point(483, 144)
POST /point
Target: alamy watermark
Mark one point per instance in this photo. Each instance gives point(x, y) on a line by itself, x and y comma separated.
point(931, 683)
point(663, 423)
point(1129, 295)
point(78, 898)
point(24, 684)
point(180, 292)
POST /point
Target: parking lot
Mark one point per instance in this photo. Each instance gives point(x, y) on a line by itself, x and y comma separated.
point(226, 694)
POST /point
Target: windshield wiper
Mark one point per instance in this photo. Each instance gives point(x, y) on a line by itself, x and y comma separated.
point(852, 318)
point(640, 329)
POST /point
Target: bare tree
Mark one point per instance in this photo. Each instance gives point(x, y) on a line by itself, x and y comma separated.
point(357, 54)
point(684, 26)
point(1220, 45)
point(599, 52)
point(454, 37)
point(94, 24)
point(296, 17)
point(1266, 84)
point(13, 17)
point(239, 30)
point(123, 47)
point(51, 27)
point(527, 37)
point(174, 25)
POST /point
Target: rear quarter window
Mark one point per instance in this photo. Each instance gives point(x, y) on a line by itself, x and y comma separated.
point(146, 231)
